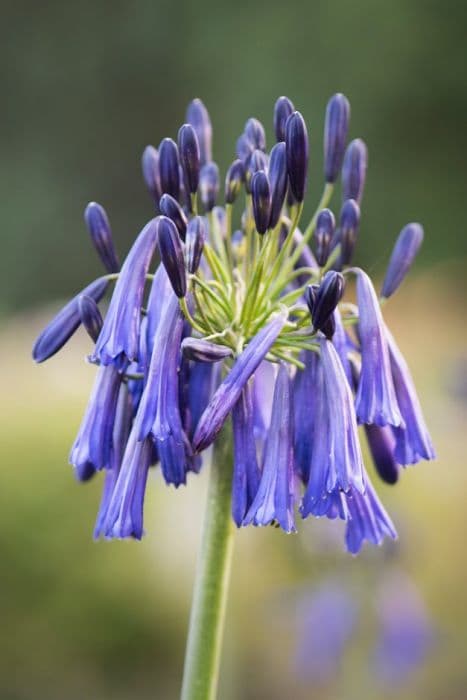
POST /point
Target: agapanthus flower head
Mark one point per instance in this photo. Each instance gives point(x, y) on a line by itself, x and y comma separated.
point(232, 324)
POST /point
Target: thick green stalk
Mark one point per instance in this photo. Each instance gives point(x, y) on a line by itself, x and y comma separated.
point(204, 643)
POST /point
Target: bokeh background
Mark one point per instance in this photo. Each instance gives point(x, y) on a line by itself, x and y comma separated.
point(85, 86)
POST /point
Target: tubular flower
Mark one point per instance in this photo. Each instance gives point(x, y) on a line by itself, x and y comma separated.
point(240, 322)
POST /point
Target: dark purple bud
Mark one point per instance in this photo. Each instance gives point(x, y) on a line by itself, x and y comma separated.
point(204, 351)
point(169, 168)
point(336, 126)
point(257, 162)
point(296, 142)
point(188, 148)
point(311, 295)
point(254, 131)
point(244, 149)
point(403, 254)
point(194, 243)
point(90, 316)
point(282, 111)
point(381, 442)
point(150, 167)
point(327, 297)
point(171, 252)
point(209, 185)
point(198, 116)
point(65, 323)
point(233, 181)
point(278, 180)
point(354, 170)
point(325, 226)
point(348, 230)
point(99, 227)
point(171, 208)
point(261, 198)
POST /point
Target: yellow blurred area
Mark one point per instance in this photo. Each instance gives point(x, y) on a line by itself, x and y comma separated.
point(100, 620)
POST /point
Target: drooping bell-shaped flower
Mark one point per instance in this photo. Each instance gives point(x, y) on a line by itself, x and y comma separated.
point(94, 440)
point(336, 460)
point(246, 472)
point(367, 519)
point(308, 386)
point(354, 171)
point(98, 225)
point(335, 134)
point(119, 339)
point(405, 250)
point(376, 400)
point(159, 411)
point(66, 322)
point(381, 442)
point(413, 441)
point(275, 497)
point(230, 389)
point(160, 292)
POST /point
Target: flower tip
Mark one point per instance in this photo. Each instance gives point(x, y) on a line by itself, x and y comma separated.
point(404, 252)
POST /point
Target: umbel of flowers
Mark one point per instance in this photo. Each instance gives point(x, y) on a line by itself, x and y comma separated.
point(245, 298)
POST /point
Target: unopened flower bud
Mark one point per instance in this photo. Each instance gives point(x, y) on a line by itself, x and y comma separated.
point(204, 351)
point(171, 208)
point(188, 149)
point(325, 299)
point(278, 179)
point(198, 116)
point(403, 254)
point(90, 316)
point(325, 226)
point(261, 198)
point(209, 185)
point(169, 168)
point(150, 168)
point(354, 170)
point(258, 161)
point(335, 134)
point(99, 227)
point(254, 131)
point(233, 181)
point(194, 243)
point(296, 142)
point(171, 252)
point(282, 111)
point(348, 229)
point(244, 148)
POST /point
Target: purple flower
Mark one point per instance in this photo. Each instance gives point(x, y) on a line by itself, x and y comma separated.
point(169, 168)
point(161, 291)
point(194, 243)
point(335, 135)
point(413, 441)
point(188, 148)
point(405, 250)
point(376, 398)
point(204, 351)
point(336, 460)
point(263, 391)
point(278, 180)
point(254, 131)
point(170, 208)
point(246, 472)
point(229, 391)
point(124, 516)
point(233, 181)
point(119, 338)
point(209, 185)
point(282, 111)
point(171, 252)
point(94, 440)
point(349, 222)
point(197, 115)
point(275, 497)
point(150, 167)
point(354, 170)
point(308, 386)
point(325, 227)
point(367, 519)
point(257, 163)
point(328, 296)
point(343, 345)
point(99, 227)
point(66, 322)
point(120, 434)
point(159, 411)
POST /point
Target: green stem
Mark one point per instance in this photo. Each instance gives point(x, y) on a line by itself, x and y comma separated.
point(201, 672)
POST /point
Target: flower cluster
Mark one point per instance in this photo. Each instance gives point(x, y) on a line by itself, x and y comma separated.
point(244, 316)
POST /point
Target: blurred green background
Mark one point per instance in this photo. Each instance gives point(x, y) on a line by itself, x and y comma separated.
point(85, 86)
